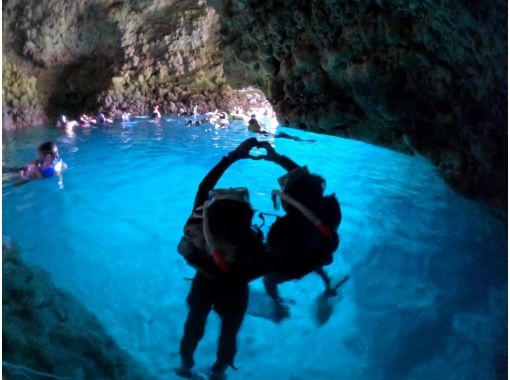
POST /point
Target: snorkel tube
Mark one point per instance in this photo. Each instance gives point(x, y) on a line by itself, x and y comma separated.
point(239, 194)
point(217, 255)
point(307, 213)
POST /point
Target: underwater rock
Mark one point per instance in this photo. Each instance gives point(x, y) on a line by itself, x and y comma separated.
point(46, 331)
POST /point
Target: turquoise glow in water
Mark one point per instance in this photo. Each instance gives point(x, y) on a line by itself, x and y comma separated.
point(427, 297)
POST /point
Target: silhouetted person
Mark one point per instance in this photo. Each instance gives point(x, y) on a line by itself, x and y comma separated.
point(305, 238)
point(227, 252)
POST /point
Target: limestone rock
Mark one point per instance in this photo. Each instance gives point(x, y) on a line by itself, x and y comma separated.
point(419, 77)
point(426, 77)
point(46, 330)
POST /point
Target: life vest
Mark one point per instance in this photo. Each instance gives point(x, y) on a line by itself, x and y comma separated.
point(199, 240)
point(315, 230)
point(54, 169)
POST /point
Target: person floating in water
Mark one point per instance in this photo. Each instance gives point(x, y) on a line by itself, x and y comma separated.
point(47, 165)
point(66, 125)
point(227, 252)
point(155, 112)
point(254, 126)
point(126, 116)
point(305, 238)
point(101, 119)
point(86, 121)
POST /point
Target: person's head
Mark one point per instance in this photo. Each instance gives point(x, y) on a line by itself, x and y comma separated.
point(190, 122)
point(303, 186)
point(230, 220)
point(48, 150)
point(197, 123)
point(253, 116)
point(229, 214)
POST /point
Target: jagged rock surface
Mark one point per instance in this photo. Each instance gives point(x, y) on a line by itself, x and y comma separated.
point(117, 55)
point(415, 76)
point(46, 330)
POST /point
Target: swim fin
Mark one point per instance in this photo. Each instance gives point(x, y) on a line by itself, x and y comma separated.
point(324, 304)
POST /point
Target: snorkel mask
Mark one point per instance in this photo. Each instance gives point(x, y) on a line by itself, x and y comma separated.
point(281, 195)
point(222, 252)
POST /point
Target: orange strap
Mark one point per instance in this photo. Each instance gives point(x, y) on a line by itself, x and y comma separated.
point(325, 230)
point(219, 259)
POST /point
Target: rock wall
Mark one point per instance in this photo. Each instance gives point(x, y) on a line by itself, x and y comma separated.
point(21, 102)
point(46, 330)
point(416, 76)
point(117, 55)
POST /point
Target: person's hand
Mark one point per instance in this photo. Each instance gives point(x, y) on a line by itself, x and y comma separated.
point(271, 154)
point(243, 150)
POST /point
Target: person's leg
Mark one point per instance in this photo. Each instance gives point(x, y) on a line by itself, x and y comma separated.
point(271, 282)
point(200, 303)
point(271, 286)
point(231, 308)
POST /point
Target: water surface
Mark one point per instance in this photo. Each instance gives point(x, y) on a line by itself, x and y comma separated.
point(427, 297)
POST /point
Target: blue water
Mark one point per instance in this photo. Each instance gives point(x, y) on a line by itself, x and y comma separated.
point(427, 298)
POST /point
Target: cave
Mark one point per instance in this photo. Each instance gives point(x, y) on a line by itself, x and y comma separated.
point(401, 106)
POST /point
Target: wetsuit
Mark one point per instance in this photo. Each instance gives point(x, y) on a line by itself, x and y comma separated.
point(296, 247)
point(226, 293)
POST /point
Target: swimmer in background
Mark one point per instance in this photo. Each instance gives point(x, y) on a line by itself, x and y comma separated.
point(190, 123)
point(102, 119)
point(66, 125)
point(126, 116)
point(254, 126)
point(155, 112)
point(47, 165)
point(86, 121)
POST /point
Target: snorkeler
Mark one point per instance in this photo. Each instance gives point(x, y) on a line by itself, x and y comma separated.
point(47, 165)
point(126, 116)
point(102, 119)
point(227, 252)
point(155, 112)
point(254, 126)
point(67, 125)
point(305, 238)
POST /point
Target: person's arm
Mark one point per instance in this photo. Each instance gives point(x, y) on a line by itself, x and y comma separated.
point(8, 169)
point(212, 178)
point(284, 161)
